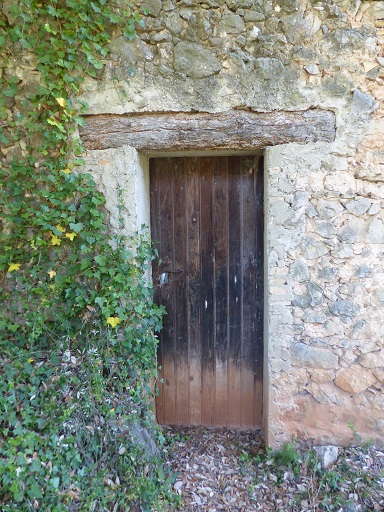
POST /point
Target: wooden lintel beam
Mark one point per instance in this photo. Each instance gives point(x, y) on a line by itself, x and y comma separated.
point(183, 131)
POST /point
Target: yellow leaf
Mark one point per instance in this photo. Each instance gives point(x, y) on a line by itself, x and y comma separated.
point(113, 321)
point(30, 360)
point(71, 236)
point(61, 102)
point(112, 410)
point(52, 273)
point(55, 240)
point(67, 171)
point(60, 228)
point(14, 266)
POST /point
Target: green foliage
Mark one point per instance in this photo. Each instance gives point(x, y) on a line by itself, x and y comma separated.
point(297, 480)
point(77, 333)
point(287, 456)
point(65, 435)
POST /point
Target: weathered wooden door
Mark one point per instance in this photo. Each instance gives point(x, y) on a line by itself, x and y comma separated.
point(207, 217)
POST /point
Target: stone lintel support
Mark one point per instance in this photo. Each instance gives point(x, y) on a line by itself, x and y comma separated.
point(184, 131)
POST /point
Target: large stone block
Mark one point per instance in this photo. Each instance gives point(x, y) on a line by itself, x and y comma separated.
point(328, 209)
point(372, 359)
point(306, 356)
point(358, 207)
point(343, 308)
point(355, 379)
point(195, 61)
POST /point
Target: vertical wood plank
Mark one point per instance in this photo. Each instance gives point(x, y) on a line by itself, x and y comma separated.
point(207, 286)
point(234, 296)
point(220, 236)
point(156, 236)
point(180, 293)
point(259, 313)
point(167, 296)
point(193, 289)
point(248, 184)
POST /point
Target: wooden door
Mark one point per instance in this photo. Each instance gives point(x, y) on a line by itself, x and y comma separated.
point(207, 219)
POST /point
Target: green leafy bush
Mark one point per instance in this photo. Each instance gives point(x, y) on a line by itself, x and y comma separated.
point(78, 325)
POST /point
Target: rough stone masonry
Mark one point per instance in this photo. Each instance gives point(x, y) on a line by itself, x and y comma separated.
point(324, 219)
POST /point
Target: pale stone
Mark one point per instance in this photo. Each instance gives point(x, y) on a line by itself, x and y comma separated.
point(325, 229)
point(311, 357)
point(321, 376)
point(362, 103)
point(254, 16)
point(271, 69)
point(328, 274)
point(300, 271)
point(195, 61)
point(313, 248)
point(376, 231)
point(281, 212)
point(161, 37)
point(254, 34)
point(312, 69)
point(348, 234)
point(343, 308)
point(324, 393)
point(374, 209)
point(233, 24)
point(379, 295)
point(300, 199)
point(354, 379)
point(379, 374)
point(359, 206)
point(327, 455)
point(328, 209)
point(314, 317)
point(142, 437)
point(344, 251)
point(366, 346)
point(153, 7)
point(372, 359)
point(334, 326)
point(363, 271)
point(362, 329)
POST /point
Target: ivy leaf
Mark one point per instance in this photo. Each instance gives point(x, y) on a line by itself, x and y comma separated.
point(100, 301)
point(34, 491)
point(95, 7)
point(55, 482)
point(76, 227)
point(14, 266)
point(55, 240)
point(113, 321)
point(61, 101)
point(52, 11)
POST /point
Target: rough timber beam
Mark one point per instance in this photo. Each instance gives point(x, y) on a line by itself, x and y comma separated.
point(183, 131)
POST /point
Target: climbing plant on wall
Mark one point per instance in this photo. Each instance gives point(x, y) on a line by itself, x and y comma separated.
point(78, 324)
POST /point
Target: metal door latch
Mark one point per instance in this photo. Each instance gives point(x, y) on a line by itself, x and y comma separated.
point(164, 277)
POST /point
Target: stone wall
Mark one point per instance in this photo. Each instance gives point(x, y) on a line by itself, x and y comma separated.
point(324, 340)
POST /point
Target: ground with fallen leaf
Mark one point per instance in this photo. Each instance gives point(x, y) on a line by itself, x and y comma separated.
point(219, 469)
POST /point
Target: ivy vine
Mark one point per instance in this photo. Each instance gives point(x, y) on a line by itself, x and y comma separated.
point(77, 333)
